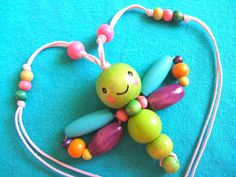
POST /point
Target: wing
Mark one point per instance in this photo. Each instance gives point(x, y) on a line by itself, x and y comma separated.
point(106, 139)
point(156, 74)
point(88, 123)
point(166, 96)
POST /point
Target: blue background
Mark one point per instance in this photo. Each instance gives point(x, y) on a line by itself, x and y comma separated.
point(64, 90)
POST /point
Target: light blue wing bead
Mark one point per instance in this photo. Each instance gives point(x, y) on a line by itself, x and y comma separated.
point(156, 74)
point(88, 123)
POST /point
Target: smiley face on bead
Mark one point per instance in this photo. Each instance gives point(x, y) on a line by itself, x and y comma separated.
point(118, 85)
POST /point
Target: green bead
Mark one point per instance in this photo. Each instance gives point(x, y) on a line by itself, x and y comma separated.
point(145, 126)
point(133, 108)
point(21, 95)
point(178, 16)
point(170, 164)
point(117, 85)
point(160, 148)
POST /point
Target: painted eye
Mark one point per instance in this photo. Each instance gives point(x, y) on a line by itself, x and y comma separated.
point(104, 90)
point(130, 73)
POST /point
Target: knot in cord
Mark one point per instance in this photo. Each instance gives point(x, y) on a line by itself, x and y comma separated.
point(105, 65)
point(186, 18)
point(101, 39)
point(149, 12)
point(170, 155)
point(21, 103)
point(26, 67)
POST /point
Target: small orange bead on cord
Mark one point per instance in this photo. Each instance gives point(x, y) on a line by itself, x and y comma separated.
point(180, 71)
point(76, 148)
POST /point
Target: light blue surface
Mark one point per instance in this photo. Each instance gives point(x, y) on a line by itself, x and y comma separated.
point(156, 74)
point(64, 90)
point(88, 123)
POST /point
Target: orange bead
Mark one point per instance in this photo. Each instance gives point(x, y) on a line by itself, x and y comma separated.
point(179, 70)
point(76, 148)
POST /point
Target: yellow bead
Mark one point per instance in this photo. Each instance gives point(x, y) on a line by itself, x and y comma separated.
point(26, 75)
point(87, 155)
point(160, 147)
point(158, 14)
point(184, 81)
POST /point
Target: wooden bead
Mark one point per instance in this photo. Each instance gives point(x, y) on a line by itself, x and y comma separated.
point(106, 138)
point(160, 148)
point(76, 148)
point(170, 164)
point(167, 15)
point(179, 70)
point(26, 75)
point(143, 101)
point(88, 123)
point(117, 85)
point(178, 59)
point(121, 115)
point(21, 95)
point(133, 108)
point(87, 155)
point(144, 127)
point(178, 16)
point(156, 74)
point(184, 81)
point(25, 85)
point(166, 96)
point(107, 31)
point(66, 142)
point(157, 14)
point(75, 49)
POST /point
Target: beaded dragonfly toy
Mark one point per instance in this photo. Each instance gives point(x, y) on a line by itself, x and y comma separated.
point(119, 87)
point(129, 100)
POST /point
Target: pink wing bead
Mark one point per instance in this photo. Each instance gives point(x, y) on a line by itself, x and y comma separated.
point(107, 31)
point(121, 115)
point(167, 15)
point(143, 101)
point(25, 85)
point(74, 50)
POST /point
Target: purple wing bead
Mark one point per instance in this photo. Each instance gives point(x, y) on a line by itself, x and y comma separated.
point(106, 138)
point(166, 96)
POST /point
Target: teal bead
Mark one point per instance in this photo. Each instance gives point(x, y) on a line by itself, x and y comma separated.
point(133, 108)
point(156, 74)
point(88, 123)
point(178, 16)
point(21, 95)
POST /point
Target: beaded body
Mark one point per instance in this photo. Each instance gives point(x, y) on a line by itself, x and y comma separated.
point(144, 125)
point(119, 87)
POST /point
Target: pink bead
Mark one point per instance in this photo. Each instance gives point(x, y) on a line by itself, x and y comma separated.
point(107, 31)
point(167, 15)
point(25, 85)
point(143, 101)
point(74, 50)
point(121, 115)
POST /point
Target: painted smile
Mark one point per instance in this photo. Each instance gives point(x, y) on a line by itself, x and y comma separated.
point(122, 93)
